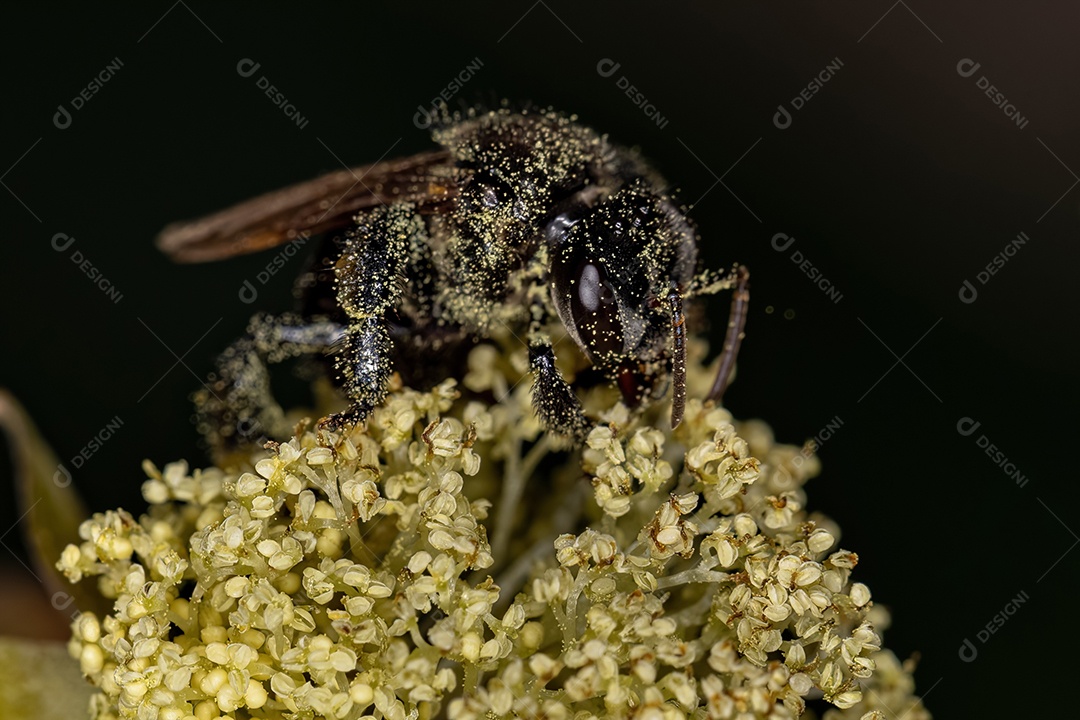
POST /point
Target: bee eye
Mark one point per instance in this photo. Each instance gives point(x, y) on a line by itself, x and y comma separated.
point(485, 192)
point(595, 310)
point(593, 289)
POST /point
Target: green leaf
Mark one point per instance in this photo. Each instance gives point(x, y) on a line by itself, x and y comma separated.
point(40, 681)
point(50, 509)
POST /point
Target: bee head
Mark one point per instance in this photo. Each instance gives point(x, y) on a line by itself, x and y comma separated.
point(612, 272)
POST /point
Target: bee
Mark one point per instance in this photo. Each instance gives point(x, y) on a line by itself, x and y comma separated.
point(522, 220)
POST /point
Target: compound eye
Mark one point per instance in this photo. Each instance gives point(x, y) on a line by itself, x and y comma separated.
point(489, 196)
point(595, 307)
point(485, 193)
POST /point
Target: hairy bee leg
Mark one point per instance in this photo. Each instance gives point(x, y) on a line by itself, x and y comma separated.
point(736, 331)
point(237, 406)
point(363, 361)
point(370, 280)
point(552, 397)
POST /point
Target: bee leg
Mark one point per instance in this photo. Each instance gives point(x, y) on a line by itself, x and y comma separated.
point(736, 331)
point(363, 362)
point(553, 399)
point(370, 280)
point(236, 406)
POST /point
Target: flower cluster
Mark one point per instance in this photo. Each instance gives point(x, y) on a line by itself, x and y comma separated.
point(653, 574)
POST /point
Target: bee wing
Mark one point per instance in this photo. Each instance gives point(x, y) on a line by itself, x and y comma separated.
point(320, 205)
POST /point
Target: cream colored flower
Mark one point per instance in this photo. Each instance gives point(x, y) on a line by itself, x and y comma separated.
point(654, 574)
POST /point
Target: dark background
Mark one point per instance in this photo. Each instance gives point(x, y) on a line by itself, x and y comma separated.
point(899, 180)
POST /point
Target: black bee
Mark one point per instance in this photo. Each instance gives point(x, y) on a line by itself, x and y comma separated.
point(521, 218)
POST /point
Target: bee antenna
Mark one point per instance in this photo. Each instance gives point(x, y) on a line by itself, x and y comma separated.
point(740, 301)
point(678, 360)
